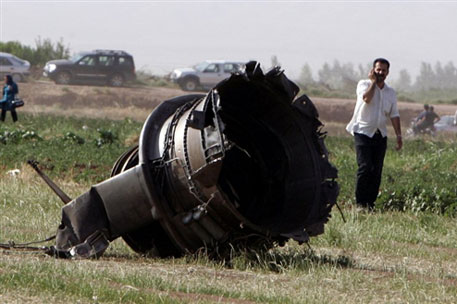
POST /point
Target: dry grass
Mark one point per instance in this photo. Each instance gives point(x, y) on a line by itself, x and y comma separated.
point(371, 258)
point(114, 113)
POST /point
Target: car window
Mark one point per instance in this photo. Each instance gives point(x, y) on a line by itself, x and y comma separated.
point(5, 61)
point(212, 68)
point(88, 60)
point(106, 60)
point(17, 61)
point(231, 67)
point(125, 61)
point(201, 66)
point(77, 57)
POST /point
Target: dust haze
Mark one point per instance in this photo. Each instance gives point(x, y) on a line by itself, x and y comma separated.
point(165, 35)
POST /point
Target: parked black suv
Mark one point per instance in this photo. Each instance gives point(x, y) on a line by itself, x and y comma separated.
point(99, 66)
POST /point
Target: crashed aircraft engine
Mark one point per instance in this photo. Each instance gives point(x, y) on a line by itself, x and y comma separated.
point(244, 164)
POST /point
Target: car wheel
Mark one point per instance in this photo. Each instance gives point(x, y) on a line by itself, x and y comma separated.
point(63, 78)
point(189, 84)
point(17, 77)
point(116, 80)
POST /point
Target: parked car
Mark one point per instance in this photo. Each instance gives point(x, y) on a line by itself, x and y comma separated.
point(447, 123)
point(18, 68)
point(205, 74)
point(97, 67)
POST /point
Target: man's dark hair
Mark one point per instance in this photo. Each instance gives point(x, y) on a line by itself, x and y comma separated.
point(426, 106)
point(381, 60)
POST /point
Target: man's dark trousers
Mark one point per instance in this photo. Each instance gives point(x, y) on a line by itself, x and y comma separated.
point(370, 159)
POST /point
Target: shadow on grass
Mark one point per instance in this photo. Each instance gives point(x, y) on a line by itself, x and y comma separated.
point(278, 261)
point(266, 257)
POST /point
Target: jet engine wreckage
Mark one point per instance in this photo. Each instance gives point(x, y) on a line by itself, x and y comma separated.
point(244, 164)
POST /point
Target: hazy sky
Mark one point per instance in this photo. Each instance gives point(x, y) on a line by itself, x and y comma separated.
point(163, 35)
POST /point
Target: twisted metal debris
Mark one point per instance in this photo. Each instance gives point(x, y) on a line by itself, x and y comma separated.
point(244, 165)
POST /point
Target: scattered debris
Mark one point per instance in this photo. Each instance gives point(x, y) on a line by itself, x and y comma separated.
point(13, 172)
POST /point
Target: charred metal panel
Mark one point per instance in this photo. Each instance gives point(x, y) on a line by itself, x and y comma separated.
point(245, 161)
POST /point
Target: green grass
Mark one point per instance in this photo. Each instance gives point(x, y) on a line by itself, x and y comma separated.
point(403, 253)
point(446, 96)
point(420, 177)
point(79, 149)
point(147, 79)
point(318, 90)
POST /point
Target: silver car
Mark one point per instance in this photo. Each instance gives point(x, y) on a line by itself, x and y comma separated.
point(206, 74)
point(447, 123)
point(16, 67)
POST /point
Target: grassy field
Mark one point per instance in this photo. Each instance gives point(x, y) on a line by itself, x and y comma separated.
point(403, 253)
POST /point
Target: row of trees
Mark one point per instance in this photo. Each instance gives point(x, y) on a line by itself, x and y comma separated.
point(439, 77)
point(341, 77)
point(43, 51)
point(344, 77)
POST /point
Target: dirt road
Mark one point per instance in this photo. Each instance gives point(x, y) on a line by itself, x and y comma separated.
point(138, 102)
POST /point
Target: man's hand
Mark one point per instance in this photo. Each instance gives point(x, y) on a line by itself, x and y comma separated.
point(372, 76)
point(399, 143)
point(368, 95)
point(397, 128)
point(375, 77)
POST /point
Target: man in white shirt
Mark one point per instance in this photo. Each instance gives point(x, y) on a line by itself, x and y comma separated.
point(376, 102)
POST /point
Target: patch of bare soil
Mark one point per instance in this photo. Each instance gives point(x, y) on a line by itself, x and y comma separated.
point(138, 102)
point(77, 96)
point(93, 101)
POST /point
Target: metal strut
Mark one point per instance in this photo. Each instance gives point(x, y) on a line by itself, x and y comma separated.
point(62, 195)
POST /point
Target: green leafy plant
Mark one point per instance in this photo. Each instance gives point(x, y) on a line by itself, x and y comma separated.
point(70, 136)
point(106, 137)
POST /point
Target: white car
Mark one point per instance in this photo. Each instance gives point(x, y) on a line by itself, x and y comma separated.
point(14, 66)
point(447, 123)
point(206, 74)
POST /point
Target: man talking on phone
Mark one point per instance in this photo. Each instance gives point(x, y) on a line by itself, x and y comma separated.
point(376, 103)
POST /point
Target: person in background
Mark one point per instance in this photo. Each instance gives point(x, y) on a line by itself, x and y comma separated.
point(433, 118)
point(422, 115)
point(426, 119)
point(9, 93)
point(376, 103)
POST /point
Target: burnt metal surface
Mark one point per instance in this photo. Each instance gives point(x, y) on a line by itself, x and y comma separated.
point(242, 165)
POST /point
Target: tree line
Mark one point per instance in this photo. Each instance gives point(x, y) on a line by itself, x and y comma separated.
point(343, 77)
point(333, 79)
point(43, 51)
